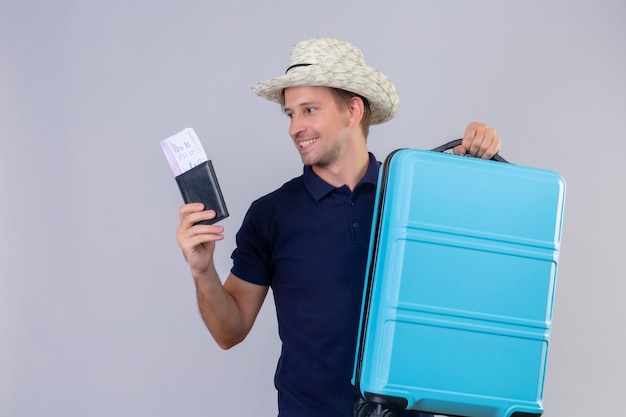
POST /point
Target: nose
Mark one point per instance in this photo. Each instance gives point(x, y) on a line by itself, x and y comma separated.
point(296, 125)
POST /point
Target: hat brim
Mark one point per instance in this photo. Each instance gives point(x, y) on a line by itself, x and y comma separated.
point(362, 80)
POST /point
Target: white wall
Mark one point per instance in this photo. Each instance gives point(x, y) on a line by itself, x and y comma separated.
point(97, 308)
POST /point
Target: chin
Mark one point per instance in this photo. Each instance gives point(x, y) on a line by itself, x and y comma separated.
point(307, 161)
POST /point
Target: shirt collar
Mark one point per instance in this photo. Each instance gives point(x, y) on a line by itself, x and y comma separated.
point(319, 188)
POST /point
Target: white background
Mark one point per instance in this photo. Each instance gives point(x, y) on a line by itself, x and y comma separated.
point(97, 308)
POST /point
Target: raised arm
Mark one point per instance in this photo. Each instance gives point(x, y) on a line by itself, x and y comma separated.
point(230, 309)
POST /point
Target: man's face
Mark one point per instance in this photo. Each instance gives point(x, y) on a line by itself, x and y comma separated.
point(318, 127)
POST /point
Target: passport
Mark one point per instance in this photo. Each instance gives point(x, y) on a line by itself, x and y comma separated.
point(194, 173)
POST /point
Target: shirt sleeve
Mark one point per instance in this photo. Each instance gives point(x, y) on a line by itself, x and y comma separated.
point(252, 260)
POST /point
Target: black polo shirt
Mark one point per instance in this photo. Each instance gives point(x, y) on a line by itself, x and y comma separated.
point(308, 240)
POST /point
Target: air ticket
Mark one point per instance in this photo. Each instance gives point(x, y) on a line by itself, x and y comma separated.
point(183, 151)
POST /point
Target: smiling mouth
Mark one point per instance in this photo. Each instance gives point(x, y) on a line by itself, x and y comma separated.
point(305, 143)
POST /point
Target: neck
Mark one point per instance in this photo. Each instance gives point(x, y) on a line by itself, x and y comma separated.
point(348, 170)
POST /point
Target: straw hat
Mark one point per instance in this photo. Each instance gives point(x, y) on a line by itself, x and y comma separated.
point(333, 63)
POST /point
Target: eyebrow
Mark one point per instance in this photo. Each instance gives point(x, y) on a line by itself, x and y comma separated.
point(304, 104)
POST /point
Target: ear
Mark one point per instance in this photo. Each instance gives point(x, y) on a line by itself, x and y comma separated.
point(356, 109)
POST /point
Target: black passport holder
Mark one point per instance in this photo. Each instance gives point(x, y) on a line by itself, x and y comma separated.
point(199, 185)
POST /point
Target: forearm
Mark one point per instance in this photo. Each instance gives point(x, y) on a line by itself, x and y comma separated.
point(227, 310)
point(218, 309)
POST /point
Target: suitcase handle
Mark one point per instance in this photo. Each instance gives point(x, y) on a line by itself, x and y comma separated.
point(457, 142)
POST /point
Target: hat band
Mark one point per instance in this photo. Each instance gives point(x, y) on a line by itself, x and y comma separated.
point(296, 65)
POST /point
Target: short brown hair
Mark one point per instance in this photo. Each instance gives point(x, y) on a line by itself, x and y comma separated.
point(343, 97)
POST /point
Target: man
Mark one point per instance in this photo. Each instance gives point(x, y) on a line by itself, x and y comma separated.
point(308, 239)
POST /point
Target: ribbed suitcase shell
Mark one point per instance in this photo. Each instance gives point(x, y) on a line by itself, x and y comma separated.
point(458, 300)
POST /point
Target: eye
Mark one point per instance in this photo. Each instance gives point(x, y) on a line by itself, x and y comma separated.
point(311, 109)
point(289, 115)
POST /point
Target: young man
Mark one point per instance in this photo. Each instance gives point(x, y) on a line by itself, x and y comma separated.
point(308, 240)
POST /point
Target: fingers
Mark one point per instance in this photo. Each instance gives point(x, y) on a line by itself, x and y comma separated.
point(481, 141)
point(197, 241)
point(188, 209)
point(193, 213)
point(189, 233)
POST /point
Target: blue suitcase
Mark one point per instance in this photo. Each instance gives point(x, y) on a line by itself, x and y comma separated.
point(459, 292)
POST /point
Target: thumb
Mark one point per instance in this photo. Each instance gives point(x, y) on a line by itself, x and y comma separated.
point(459, 150)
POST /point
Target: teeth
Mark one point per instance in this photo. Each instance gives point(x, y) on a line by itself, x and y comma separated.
point(306, 143)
